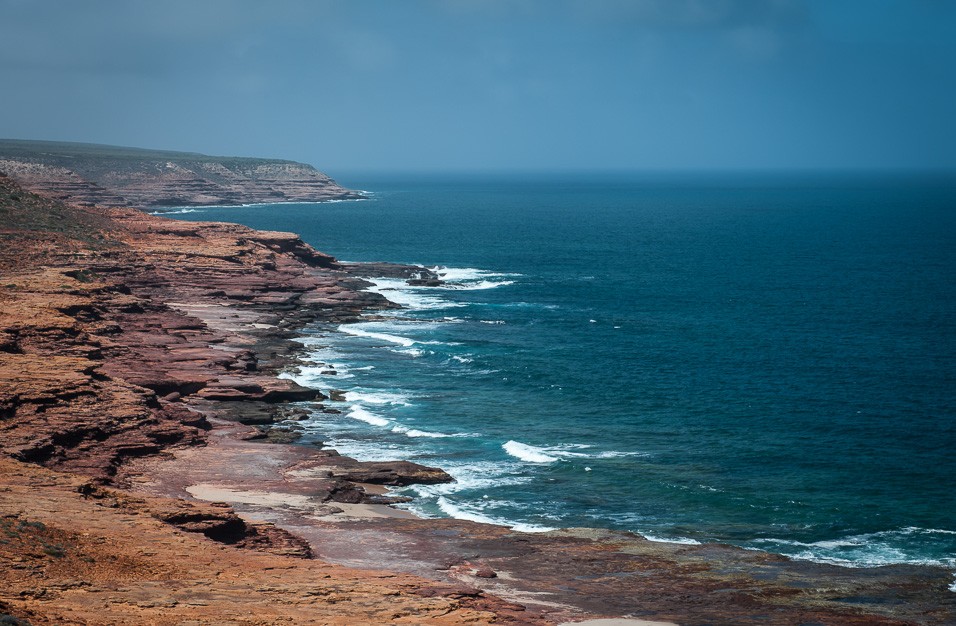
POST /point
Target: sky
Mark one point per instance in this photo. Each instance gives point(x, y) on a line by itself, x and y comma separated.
point(476, 85)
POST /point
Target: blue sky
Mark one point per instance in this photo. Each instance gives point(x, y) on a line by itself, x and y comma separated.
point(492, 84)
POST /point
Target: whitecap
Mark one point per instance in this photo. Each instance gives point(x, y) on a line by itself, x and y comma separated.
point(460, 512)
point(412, 432)
point(175, 212)
point(314, 376)
point(353, 329)
point(418, 298)
point(530, 454)
point(681, 540)
point(361, 414)
point(377, 397)
point(412, 352)
point(549, 454)
point(464, 274)
point(482, 284)
point(337, 200)
point(864, 550)
point(614, 454)
point(369, 449)
point(457, 273)
point(475, 476)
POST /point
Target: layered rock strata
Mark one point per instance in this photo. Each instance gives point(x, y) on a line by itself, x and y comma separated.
point(72, 556)
point(139, 482)
point(123, 336)
point(93, 174)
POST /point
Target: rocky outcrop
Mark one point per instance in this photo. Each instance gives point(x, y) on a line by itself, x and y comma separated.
point(135, 351)
point(120, 334)
point(118, 350)
point(392, 473)
point(72, 556)
point(113, 176)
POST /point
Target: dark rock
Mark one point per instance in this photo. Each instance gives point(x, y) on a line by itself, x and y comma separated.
point(279, 435)
point(395, 473)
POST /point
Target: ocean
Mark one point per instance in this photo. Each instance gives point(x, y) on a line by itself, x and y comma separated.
point(767, 360)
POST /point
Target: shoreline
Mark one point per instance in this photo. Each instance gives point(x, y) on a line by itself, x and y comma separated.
point(407, 314)
point(160, 211)
point(147, 346)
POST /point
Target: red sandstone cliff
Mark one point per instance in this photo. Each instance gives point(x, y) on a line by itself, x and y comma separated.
point(114, 176)
point(137, 362)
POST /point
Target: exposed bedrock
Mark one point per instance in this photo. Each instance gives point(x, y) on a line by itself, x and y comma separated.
point(121, 351)
point(130, 347)
point(91, 174)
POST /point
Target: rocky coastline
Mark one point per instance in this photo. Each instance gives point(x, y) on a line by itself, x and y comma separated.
point(148, 473)
point(114, 176)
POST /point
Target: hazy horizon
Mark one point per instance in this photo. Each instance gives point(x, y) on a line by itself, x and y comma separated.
point(495, 86)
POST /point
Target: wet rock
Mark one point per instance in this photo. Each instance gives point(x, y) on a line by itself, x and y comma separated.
point(280, 435)
point(425, 282)
point(394, 473)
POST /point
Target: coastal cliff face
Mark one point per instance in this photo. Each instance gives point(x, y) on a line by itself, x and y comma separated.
point(91, 174)
point(125, 336)
point(142, 480)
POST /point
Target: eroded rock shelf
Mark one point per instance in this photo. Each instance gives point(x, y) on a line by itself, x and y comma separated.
point(146, 476)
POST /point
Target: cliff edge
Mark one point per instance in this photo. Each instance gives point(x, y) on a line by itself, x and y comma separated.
point(94, 174)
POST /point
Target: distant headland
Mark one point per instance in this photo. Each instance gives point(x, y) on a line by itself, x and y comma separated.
point(95, 174)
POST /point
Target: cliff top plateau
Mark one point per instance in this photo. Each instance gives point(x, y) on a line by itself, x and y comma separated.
point(94, 174)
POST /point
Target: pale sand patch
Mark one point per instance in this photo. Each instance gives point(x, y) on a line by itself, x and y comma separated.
point(375, 490)
point(218, 493)
point(618, 621)
point(306, 505)
point(317, 471)
point(365, 511)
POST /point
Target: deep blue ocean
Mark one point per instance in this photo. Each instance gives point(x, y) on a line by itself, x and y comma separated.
point(762, 359)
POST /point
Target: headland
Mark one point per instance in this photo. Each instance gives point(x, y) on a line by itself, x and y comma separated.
point(146, 477)
point(116, 176)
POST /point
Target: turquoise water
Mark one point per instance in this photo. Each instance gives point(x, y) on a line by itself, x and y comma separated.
point(766, 360)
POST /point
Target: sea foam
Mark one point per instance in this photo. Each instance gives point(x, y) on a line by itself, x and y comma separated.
point(461, 512)
point(680, 540)
point(530, 454)
point(550, 454)
point(865, 550)
point(414, 432)
point(312, 375)
point(361, 414)
point(422, 297)
point(377, 397)
point(352, 329)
